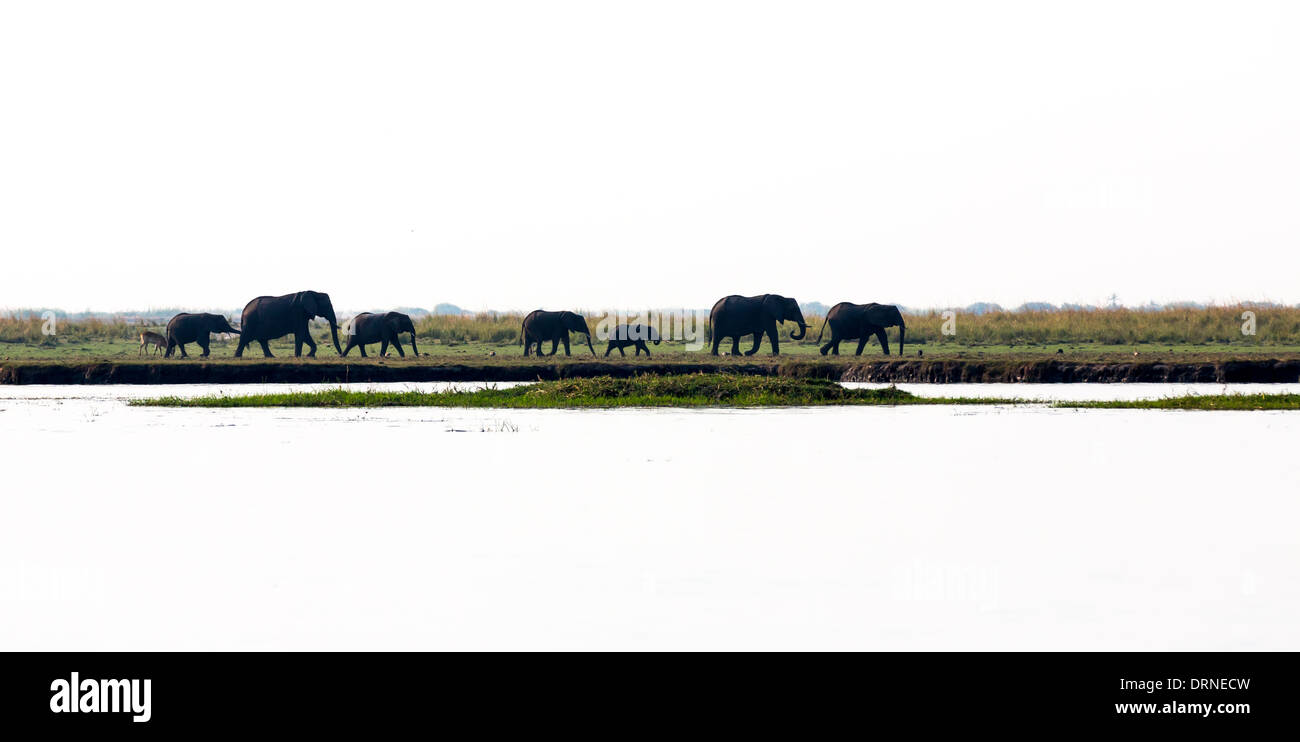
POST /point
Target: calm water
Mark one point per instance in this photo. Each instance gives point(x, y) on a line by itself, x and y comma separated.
point(875, 528)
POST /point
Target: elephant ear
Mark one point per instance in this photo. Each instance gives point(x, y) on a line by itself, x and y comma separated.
point(772, 306)
point(394, 320)
point(307, 300)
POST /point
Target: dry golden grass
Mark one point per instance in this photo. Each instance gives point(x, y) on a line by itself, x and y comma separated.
point(1114, 327)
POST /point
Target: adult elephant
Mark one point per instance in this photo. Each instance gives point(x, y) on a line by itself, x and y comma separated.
point(369, 327)
point(541, 325)
point(734, 316)
point(859, 322)
point(194, 328)
point(269, 317)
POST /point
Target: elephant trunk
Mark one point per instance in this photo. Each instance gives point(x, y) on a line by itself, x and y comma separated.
point(589, 345)
point(902, 330)
point(334, 334)
point(803, 330)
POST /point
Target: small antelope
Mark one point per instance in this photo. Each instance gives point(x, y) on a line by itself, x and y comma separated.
point(152, 338)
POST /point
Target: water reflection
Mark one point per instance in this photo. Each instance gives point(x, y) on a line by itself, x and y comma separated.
point(810, 528)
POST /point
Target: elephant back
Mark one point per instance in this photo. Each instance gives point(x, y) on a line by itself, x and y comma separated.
point(364, 325)
point(540, 320)
point(251, 311)
point(723, 304)
point(176, 322)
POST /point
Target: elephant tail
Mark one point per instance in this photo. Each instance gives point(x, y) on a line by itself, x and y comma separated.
point(819, 332)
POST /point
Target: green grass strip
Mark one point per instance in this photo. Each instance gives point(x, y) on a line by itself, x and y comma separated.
point(694, 390)
point(1197, 402)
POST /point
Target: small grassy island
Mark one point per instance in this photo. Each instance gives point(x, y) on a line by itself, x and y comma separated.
point(689, 390)
point(1246, 402)
point(686, 390)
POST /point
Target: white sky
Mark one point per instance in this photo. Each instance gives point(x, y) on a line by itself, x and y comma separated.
point(514, 155)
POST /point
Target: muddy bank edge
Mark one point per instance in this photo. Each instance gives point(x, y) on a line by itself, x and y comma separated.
point(936, 372)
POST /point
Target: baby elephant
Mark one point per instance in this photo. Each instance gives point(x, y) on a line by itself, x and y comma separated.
point(624, 335)
point(369, 327)
point(195, 328)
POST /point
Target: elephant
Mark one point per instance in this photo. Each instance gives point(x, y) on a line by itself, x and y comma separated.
point(368, 327)
point(624, 335)
point(194, 328)
point(541, 325)
point(734, 316)
point(859, 322)
point(269, 317)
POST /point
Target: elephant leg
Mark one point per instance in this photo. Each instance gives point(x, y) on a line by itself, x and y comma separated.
point(362, 346)
point(826, 348)
point(862, 343)
point(735, 345)
point(266, 348)
point(171, 345)
point(204, 345)
point(717, 339)
point(566, 344)
point(397, 343)
point(758, 341)
point(884, 340)
point(306, 338)
point(239, 347)
point(609, 349)
point(183, 353)
point(776, 344)
point(528, 344)
point(622, 351)
point(555, 345)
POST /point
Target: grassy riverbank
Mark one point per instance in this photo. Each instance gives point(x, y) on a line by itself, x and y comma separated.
point(1092, 335)
point(487, 354)
point(694, 390)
